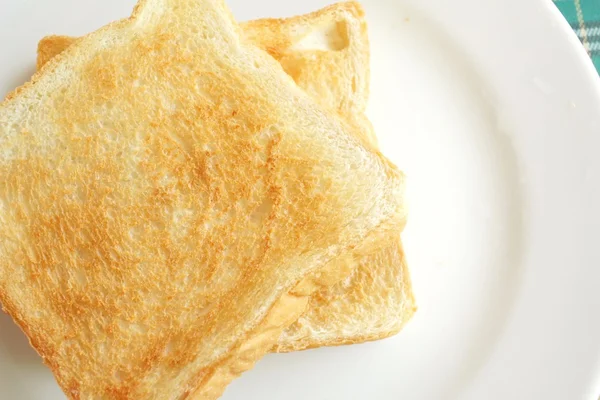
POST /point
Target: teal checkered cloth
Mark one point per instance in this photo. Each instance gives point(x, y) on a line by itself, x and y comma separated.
point(584, 17)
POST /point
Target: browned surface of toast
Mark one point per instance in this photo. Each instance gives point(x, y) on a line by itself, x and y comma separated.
point(327, 54)
point(164, 217)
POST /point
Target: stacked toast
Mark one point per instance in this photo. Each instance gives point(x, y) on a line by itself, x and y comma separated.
point(182, 193)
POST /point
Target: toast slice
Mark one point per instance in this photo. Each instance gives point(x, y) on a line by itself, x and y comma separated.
point(165, 218)
point(377, 301)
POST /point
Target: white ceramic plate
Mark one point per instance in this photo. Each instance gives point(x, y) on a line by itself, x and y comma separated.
point(493, 110)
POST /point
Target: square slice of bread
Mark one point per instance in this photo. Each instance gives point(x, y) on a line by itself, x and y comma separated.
point(164, 216)
point(326, 52)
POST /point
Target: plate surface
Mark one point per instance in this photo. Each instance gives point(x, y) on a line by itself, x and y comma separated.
point(493, 110)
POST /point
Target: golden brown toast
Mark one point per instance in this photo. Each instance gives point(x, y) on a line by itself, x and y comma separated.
point(327, 54)
point(165, 218)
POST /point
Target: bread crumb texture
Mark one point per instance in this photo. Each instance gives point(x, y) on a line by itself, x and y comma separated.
point(326, 52)
point(159, 206)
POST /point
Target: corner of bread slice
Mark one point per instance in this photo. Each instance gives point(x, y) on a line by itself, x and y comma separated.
point(374, 302)
point(158, 204)
point(50, 46)
point(326, 53)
